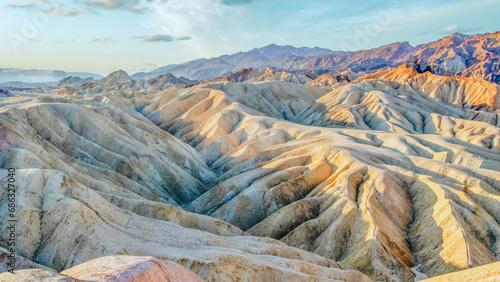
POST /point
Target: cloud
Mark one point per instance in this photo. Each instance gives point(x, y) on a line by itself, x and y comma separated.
point(77, 7)
point(458, 29)
point(18, 5)
point(56, 8)
point(61, 13)
point(156, 38)
point(234, 2)
point(68, 40)
point(451, 28)
point(52, 7)
point(184, 38)
point(103, 40)
point(135, 6)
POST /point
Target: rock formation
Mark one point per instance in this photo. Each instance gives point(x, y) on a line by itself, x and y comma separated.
point(127, 268)
point(118, 81)
point(460, 91)
point(261, 175)
point(264, 74)
point(73, 81)
point(368, 199)
point(112, 268)
point(96, 178)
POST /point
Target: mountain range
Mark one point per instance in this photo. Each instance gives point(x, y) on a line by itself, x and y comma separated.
point(378, 165)
point(455, 55)
point(461, 55)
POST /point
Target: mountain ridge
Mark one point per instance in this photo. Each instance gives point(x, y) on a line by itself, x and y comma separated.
point(481, 61)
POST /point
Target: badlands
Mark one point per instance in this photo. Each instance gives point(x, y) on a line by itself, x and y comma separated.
point(262, 175)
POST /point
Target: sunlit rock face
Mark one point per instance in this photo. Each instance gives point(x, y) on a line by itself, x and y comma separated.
point(463, 92)
point(488, 272)
point(270, 179)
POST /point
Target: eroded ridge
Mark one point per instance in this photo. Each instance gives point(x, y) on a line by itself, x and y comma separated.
point(298, 181)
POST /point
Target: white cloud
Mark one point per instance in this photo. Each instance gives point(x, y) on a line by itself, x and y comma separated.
point(20, 5)
point(458, 29)
point(452, 28)
point(155, 38)
point(135, 6)
point(103, 40)
point(204, 21)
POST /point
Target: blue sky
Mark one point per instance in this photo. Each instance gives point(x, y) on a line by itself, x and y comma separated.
point(139, 35)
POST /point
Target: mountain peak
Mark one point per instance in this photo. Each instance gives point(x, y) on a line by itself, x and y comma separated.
point(119, 76)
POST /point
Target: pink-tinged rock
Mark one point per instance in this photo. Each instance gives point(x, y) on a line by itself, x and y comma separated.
point(129, 268)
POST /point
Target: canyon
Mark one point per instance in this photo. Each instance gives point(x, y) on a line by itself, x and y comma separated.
point(263, 173)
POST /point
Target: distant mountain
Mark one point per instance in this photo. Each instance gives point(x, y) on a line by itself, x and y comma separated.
point(366, 60)
point(72, 81)
point(260, 57)
point(265, 74)
point(475, 56)
point(116, 77)
point(461, 55)
point(117, 81)
point(38, 76)
point(169, 79)
point(206, 69)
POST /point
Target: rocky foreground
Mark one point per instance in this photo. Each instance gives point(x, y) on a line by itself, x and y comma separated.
point(279, 178)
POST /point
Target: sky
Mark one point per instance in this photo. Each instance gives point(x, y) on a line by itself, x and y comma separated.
point(101, 36)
